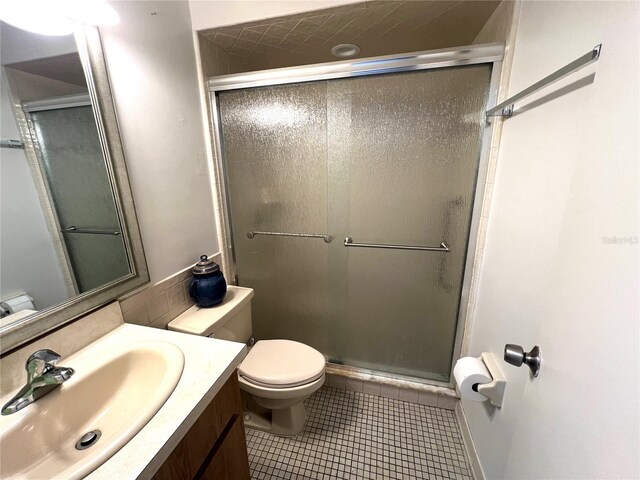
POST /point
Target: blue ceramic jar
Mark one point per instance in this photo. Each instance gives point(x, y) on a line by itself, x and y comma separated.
point(207, 287)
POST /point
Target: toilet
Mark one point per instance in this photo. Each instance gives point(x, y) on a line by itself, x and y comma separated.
point(276, 375)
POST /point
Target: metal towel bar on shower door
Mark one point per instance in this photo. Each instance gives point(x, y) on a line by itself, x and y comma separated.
point(325, 236)
point(444, 247)
point(74, 229)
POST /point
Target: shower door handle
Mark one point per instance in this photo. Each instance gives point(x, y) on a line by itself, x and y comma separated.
point(90, 231)
point(444, 247)
point(325, 236)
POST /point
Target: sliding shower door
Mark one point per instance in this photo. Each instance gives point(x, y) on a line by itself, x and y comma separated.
point(386, 160)
point(78, 182)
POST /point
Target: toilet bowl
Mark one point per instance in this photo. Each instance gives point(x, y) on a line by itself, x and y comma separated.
point(279, 375)
point(275, 377)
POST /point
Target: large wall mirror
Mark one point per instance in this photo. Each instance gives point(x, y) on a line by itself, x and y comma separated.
point(69, 239)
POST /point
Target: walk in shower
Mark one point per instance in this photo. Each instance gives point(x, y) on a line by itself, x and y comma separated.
point(350, 191)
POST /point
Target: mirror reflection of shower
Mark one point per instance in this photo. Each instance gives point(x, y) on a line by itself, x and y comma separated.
point(61, 232)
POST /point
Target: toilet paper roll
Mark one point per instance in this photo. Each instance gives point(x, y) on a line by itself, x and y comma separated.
point(19, 303)
point(468, 372)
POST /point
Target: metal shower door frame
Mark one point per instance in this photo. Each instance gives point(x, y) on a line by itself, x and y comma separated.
point(490, 53)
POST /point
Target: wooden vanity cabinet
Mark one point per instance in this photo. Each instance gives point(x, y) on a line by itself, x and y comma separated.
point(215, 446)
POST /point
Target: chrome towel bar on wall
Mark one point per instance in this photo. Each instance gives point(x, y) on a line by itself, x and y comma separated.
point(506, 108)
point(325, 236)
point(444, 247)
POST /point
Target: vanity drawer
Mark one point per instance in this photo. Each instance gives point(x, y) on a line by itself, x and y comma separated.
point(215, 446)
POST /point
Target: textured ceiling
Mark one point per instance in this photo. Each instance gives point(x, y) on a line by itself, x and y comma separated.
point(379, 27)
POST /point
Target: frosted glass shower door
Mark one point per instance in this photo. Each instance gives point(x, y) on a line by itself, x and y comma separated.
point(275, 147)
point(413, 150)
point(79, 185)
point(385, 159)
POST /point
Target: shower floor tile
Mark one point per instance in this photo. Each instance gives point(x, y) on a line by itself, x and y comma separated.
point(351, 435)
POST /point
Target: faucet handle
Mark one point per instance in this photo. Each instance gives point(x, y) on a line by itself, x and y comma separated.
point(41, 361)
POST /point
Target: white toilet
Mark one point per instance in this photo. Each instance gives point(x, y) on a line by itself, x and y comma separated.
point(276, 375)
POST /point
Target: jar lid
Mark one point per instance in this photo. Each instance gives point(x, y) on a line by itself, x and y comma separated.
point(205, 266)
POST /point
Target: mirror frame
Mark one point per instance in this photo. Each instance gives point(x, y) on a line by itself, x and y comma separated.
point(95, 69)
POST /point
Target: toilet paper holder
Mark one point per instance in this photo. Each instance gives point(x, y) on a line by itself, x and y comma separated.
point(493, 390)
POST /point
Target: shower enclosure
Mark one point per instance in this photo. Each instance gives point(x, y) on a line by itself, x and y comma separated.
point(350, 199)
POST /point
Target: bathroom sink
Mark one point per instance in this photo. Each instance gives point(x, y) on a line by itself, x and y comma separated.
point(115, 391)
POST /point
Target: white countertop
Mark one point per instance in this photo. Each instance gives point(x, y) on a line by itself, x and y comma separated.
point(208, 364)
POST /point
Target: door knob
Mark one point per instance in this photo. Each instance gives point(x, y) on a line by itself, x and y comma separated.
point(515, 355)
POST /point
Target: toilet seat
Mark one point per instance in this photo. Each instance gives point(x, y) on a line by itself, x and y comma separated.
point(267, 385)
point(299, 392)
point(281, 364)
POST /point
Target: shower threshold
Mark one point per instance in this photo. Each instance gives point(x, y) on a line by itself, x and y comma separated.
point(399, 381)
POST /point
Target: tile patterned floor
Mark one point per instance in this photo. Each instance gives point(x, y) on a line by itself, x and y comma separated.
point(350, 435)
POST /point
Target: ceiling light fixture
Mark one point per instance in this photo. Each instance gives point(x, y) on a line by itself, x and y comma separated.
point(57, 17)
point(345, 50)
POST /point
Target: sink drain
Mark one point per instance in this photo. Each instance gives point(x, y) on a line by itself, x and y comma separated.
point(89, 439)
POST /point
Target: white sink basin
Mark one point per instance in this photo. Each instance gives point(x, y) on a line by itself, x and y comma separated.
point(116, 390)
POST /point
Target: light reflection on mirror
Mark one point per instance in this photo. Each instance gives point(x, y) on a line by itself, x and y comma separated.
point(60, 233)
point(57, 17)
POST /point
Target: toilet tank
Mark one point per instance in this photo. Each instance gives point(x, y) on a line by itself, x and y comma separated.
point(230, 320)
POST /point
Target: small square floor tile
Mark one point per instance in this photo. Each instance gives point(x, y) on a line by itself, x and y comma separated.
point(354, 435)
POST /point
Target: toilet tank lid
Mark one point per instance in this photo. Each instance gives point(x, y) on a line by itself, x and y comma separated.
point(204, 321)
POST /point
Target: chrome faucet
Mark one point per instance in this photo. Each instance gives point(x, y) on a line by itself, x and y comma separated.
point(42, 377)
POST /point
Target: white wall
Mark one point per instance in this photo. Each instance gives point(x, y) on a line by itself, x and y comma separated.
point(567, 183)
point(214, 13)
point(28, 260)
point(152, 69)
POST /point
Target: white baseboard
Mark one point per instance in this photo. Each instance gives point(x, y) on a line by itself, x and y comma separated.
point(472, 454)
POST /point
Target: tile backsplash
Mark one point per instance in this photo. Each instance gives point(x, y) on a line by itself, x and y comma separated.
point(156, 306)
